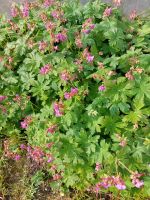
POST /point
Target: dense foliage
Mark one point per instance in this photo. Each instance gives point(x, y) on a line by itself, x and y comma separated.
point(75, 95)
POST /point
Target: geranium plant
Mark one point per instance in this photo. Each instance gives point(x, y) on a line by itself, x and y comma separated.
point(75, 88)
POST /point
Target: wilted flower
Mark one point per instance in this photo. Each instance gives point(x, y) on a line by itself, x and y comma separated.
point(42, 45)
point(52, 129)
point(78, 42)
point(133, 15)
point(129, 75)
point(56, 177)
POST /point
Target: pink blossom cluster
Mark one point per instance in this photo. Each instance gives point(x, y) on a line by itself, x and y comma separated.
point(117, 2)
point(65, 75)
point(57, 14)
point(25, 10)
point(109, 182)
point(48, 3)
point(133, 15)
point(25, 123)
point(8, 153)
point(72, 93)
point(2, 98)
point(35, 153)
point(45, 69)
point(87, 26)
point(51, 129)
point(136, 181)
point(58, 109)
point(60, 37)
point(87, 55)
point(49, 26)
point(42, 46)
point(14, 11)
point(78, 41)
point(107, 12)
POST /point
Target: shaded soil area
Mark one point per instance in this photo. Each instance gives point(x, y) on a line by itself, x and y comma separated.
point(15, 184)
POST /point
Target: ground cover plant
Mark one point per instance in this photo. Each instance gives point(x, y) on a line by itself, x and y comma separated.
point(75, 101)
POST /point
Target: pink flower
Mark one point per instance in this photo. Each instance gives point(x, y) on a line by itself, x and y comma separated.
point(135, 179)
point(24, 124)
point(102, 88)
point(98, 167)
point(42, 45)
point(107, 12)
point(123, 142)
point(56, 177)
point(55, 48)
point(137, 183)
point(86, 31)
point(133, 15)
point(119, 183)
point(58, 109)
point(25, 10)
point(48, 3)
point(52, 129)
point(55, 14)
point(90, 58)
point(74, 91)
point(65, 75)
point(17, 157)
point(92, 26)
point(87, 55)
point(117, 2)
point(87, 26)
point(45, 69)
point(112, 181)
point(2, 98)
point(67, 95)
point(22, 146)
point(50, 158)
point(60, 37)
point(49, 26)
point(14, 11)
